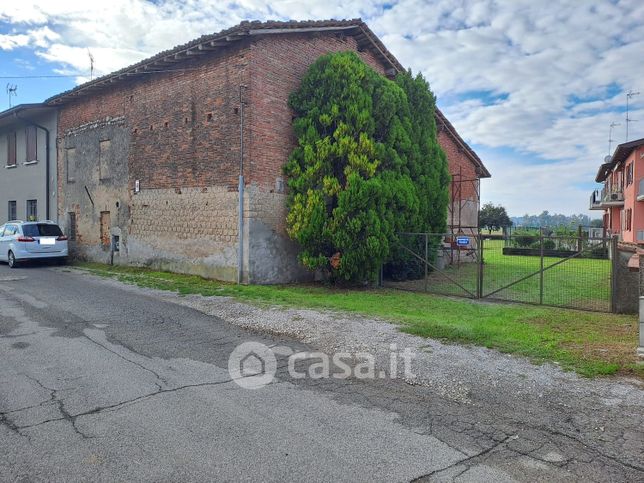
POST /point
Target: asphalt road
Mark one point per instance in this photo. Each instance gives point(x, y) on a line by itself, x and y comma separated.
point(105, 382)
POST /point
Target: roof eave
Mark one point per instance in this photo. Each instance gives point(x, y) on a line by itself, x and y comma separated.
point(223, 40)
point(21, 107)
point(622, 152)
point(469, 152)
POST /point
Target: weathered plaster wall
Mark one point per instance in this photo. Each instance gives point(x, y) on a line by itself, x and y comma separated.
point(186, 230)
point(272, 255)
point(180, 141)
point(85, 152)
point(460, 168)
point(278, 64)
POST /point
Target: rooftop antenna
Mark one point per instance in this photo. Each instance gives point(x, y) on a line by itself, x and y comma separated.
point(629, 95)
point(610, 136)
point(12, 90)
point(91, 64)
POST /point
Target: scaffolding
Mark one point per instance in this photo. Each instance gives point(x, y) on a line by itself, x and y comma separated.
point(456, 227)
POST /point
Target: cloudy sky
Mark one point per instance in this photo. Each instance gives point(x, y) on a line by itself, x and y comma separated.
point(532, 85)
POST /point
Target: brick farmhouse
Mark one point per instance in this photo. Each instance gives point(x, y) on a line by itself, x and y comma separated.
point(150, 157)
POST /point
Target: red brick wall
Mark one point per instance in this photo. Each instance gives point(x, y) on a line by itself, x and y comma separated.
point(174, 143)
point(459, 163)
point(278, 65)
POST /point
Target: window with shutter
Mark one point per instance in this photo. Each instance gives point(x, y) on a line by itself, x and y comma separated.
point(32, 143)
point(11, 149)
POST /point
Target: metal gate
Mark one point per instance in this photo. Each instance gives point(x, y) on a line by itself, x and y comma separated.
point(558, 270)
point(443, 263)
point(535, 268)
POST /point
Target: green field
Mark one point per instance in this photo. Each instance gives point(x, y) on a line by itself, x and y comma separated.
point(582, 283)
point(590, 343)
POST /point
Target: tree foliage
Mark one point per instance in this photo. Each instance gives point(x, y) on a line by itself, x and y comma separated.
point(555, 219)
point(367, 166)
point(493, 217)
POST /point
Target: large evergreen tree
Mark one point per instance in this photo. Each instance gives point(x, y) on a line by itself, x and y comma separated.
point(367, 166)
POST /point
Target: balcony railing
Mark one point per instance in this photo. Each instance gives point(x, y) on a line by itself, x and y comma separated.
point(609, 196)
point(612, 196)
point(596, 200)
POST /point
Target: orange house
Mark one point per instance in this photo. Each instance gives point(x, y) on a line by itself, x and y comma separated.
point(622, 198)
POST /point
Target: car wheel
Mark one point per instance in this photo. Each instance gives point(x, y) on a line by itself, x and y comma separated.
point(12, 260)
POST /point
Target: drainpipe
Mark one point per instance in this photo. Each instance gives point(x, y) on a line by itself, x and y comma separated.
point(240, 249)
point(47, 189)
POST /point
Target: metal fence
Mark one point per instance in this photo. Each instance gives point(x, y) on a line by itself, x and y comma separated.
point(563, 271)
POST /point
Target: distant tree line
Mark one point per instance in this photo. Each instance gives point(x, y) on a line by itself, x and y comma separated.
point(546, 219)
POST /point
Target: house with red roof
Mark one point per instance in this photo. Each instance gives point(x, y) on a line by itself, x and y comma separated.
point(176, 162)
point(622, 197)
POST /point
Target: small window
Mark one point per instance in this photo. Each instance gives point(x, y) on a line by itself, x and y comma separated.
point(629, 174)
point(104, 159)
point(12, 211)
point(31, 143)
point(32, 210)
point(70, 161)
point(11, 149)
point(71, 230)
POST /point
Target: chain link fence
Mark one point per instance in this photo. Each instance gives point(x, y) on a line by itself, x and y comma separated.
point(564, 271)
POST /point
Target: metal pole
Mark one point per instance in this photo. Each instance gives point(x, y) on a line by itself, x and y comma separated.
point(426, 259)
point(541, 267)
point(240, 249)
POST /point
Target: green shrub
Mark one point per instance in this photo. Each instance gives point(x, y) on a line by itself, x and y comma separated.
point(367, 167)
point(524, 238)
point(549, 244)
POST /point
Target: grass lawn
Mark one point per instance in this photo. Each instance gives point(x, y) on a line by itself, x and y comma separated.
point(578, 283)
point(590, 343)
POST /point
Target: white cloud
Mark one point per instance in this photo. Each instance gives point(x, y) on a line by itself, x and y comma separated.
point(538, 55)
point(10, 42)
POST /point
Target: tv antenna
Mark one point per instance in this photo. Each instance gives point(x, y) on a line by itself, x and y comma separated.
point(610, 136)
point(629, 95)
point(91, 64)
point(12, 91)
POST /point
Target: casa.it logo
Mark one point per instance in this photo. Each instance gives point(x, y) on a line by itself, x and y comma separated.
point(252, 365)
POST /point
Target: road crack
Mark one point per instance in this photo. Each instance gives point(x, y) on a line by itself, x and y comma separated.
point(141, 366)
point(466, 461)
point(66, 416)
